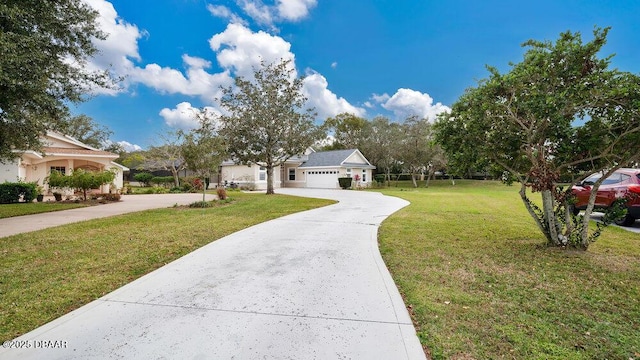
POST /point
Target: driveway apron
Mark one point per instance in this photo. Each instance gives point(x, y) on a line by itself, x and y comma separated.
point(311, 285)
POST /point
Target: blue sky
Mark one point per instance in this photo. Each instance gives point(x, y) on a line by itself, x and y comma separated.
point(380, 57)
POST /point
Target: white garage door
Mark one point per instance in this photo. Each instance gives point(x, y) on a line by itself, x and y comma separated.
point(322, 179)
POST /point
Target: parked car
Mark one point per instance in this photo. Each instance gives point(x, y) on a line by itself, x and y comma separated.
point(623, 182)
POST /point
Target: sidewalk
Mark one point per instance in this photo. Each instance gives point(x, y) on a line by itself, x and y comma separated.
point(311, 285)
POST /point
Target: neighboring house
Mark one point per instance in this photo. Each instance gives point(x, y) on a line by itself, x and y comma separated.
point(311, 170)
point(64, 154)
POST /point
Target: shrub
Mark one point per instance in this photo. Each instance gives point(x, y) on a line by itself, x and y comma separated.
point(200, 204)
point(144, 178)
point(222, 193)
point(156, 190)
point(192, 184)
point(111, 197)
point(162, 180)
point(248, 186)
point(345, 182)
point(80, 179)
point(11, 192)
point(175, 190)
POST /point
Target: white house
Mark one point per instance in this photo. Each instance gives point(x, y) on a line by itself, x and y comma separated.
point(312, 170)
point(64, 154)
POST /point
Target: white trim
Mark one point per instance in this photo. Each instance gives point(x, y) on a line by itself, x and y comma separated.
point(122, 167)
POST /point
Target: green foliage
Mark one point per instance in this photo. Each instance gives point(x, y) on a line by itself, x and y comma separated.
point(380, 146)
point(202, 149)
point(144, 178)
point(161, 180)
point(45, 45)
point(192, 184)
point(12, 192)
point(168, 156)
point(201, 204)
point(349, 131)
point(132, 160)
point(345, 182)
point(416, 149)
point(265, 125)
point(86, 130)
point(156, 190)
point(551, 115)
point(80, 179)
point(57, 180)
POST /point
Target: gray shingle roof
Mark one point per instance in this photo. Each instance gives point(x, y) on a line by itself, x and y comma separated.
point(329, 158)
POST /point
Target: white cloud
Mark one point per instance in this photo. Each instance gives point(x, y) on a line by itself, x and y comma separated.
point(184, 116)
point(380, 98)
point(266, 15)
point(241, 50)
point(120, 46)
point(224, 12)
point(334, 65)
point(129, 147)
point(197, 81)
point(406, 102)
point(369, 105)
point(258, 11)
point(294, 10)
point(326, 103)
point(196, 62)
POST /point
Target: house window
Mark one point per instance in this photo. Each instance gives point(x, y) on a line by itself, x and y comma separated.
point(262, 173)
point(364, 175)
point(60, 169)
point(348, 172)
point(292, 174)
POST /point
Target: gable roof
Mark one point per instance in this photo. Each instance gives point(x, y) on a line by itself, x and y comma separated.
point(335, 158)
point(69, 140)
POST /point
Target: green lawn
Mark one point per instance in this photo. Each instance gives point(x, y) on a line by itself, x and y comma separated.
point(48, 273)
point(19, 209)
point(481, 285)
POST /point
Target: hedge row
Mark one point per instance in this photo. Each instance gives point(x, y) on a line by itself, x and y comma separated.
point(11, 192)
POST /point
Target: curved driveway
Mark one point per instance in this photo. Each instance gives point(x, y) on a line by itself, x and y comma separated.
point(311, 285)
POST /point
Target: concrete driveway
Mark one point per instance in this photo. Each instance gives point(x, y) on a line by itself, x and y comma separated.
point(129, 203)
point(633, 228)
point(310, 285)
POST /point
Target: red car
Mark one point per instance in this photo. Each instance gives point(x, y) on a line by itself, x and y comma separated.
point(623, 182)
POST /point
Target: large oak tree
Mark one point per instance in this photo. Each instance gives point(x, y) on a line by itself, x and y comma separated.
point(44, 46)
point(267, 122)
point(561, 111)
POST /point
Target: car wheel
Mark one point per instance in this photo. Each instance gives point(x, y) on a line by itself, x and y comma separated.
point(626, 221)
point(574, 210)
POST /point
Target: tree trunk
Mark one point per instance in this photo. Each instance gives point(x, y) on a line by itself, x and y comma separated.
point(176, 178)
point(413, 180)
point(550, 218)
point(270, 180)
point(584, 234)
point(204, 191)
point(529, 207)
point(428, 179)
